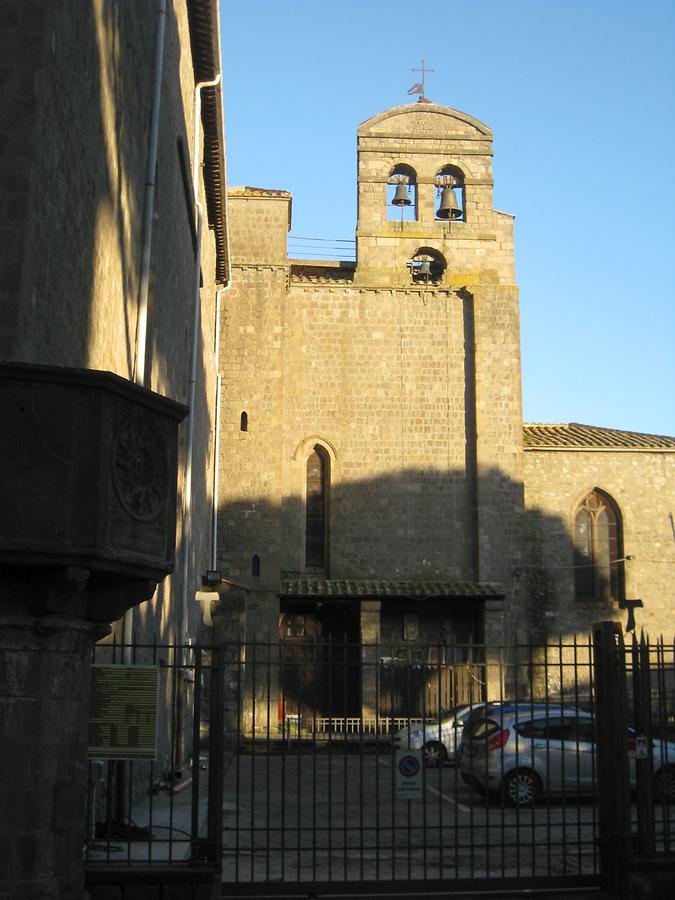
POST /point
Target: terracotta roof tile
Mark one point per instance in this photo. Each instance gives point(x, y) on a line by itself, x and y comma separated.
point(322, 587)
point(574, 436)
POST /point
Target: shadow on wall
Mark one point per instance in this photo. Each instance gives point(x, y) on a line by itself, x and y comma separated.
point(554, 575)
point(421, 524)
point(87, 86)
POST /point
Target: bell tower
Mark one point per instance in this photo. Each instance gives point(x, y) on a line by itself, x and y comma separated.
point(425, 201)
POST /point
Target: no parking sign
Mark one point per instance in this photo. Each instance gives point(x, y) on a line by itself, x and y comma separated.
point(408, 775)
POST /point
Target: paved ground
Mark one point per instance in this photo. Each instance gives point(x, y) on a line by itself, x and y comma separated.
point(167, 819)
point(335, 817)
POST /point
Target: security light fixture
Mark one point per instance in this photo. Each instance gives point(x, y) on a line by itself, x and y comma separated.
point(212, 577)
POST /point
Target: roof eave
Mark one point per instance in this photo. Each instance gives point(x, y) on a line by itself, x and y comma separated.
point(204, 24)
point(593, 449)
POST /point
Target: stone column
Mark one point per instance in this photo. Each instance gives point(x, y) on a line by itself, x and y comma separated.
point(494, 638)
point(47, 631)
point(370, 651)
point(88, 466)
point(44, 701)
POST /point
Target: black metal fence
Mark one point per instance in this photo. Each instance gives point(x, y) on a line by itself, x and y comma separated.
point(150, 806)
point(319, 769)
point(635, 702)
point(314, 794)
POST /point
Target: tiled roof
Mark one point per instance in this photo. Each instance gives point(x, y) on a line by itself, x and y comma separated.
point(573, 436)
point(322, 272)
point(322, 587)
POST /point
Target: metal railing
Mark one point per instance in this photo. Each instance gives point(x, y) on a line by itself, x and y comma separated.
point(149, 806)
point(286, 763)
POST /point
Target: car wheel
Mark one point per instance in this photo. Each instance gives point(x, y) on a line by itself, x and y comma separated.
point(435, 753)
point(664, 785)
point(521, 788)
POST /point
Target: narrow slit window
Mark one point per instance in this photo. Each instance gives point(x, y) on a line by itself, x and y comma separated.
point(243, 422)
point(255, 566)
point(316, 504)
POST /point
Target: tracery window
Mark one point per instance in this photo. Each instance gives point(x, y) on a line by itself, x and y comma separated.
point(316, 509)
point(598, 549)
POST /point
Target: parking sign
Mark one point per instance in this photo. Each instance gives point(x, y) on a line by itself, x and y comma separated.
point(408, 768)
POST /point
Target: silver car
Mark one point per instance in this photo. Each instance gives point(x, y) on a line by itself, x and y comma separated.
point(526, 753)
point(439, 739)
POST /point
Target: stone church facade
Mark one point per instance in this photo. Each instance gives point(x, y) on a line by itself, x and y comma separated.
point(376, 480)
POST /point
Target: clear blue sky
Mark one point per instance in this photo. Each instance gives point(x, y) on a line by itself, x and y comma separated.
point(580, 95)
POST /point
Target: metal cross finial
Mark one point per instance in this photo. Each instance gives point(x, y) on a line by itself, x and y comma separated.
point(424, 71)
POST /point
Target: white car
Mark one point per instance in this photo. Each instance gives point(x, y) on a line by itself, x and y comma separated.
point(438, 743)
point(526, 752)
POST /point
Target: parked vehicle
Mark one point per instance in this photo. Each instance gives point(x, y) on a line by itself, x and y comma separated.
point(446, 745)
point(439, 738)
point(525, 752)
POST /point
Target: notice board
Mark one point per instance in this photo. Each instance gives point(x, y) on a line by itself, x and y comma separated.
point(123, 712)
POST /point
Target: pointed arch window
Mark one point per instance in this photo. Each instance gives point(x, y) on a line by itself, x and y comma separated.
point(402, 194)
point(316, 509)
point(598, 549)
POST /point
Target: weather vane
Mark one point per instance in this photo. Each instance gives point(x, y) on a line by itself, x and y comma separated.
point(418, 87)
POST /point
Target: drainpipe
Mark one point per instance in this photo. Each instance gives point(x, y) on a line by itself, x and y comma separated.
point(196, 321)
point(146, 247)
point(216, 437)
point(219, 384)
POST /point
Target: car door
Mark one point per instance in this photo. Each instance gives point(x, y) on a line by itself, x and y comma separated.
point(555, 749)
point(582, 732)
point(542, 743)
point(570, 754)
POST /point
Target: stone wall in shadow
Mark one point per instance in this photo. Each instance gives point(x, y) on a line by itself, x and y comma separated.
point(74, 124)
point(404, 526)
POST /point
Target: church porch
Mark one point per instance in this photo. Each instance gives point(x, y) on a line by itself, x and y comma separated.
point(378, 650)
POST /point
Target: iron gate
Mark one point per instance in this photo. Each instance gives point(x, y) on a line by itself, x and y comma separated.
point(284, 781)
point(314, 799)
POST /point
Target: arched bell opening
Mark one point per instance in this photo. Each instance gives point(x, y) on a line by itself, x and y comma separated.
point(449, 183)
point(427, 266)
point(402, 194)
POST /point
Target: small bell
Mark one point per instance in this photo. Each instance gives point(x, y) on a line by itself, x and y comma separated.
point(424, 268)
point(401, 197)
point(449, 207)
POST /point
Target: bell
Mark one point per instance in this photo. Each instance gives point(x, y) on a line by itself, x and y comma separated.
point(401, 197)
point(449, 208)
point(424, 268)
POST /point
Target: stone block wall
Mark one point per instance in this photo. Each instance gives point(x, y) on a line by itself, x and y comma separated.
point(428, 137)
point(74, 128)
point(411, 388)
point(259, 224)
point(641, 483)
point(378, 377)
